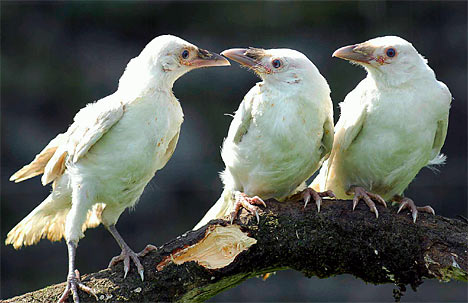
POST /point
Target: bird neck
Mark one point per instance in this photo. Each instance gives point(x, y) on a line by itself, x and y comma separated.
point(141, 78)
point(396, 77)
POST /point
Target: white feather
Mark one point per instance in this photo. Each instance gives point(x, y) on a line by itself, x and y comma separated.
point(392, 124)
point(102, 164)
point(276, 139)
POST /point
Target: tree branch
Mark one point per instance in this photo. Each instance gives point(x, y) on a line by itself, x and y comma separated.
point(390, 249)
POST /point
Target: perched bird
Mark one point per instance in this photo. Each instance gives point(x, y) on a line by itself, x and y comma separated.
point(102, 163)
point(280, 135)
point(392, 124)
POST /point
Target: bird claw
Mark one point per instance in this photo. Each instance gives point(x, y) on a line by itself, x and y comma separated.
point(361, 194)
point(307, 193)
point(73, 284)
point(128, 254)
point(149, 248)
point(409, 204)
point(243, 201)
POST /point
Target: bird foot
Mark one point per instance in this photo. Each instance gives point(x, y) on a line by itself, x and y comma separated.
point(307, 193)
point(149, 248)
point(128, 254)
point(409, 204)
point(244, 201)
point(362, 194)
point(73, 284)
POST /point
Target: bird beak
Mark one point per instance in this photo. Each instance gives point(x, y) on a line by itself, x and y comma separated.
point(206, 59)
point(357, 52)
point(239, 55)
point(248, 57)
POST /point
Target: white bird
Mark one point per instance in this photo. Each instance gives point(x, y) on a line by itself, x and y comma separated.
point(280, 135)
point(392, 125)
point(102, 163)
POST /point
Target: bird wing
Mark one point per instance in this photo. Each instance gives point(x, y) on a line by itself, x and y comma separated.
point(241, 126)
point(439, 138)
point(243, 117)
point(171, 148)
point(327, 139)
point(444, 98)
point(89, 125)
point(36, 167)
point(353, 116)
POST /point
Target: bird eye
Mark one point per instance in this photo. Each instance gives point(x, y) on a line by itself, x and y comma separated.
point(391, 52)
point(185, 54)
point(276, 63)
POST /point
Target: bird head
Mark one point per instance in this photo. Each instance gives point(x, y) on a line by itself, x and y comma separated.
point(389, 58)
point(278, 66)
point(166, 58)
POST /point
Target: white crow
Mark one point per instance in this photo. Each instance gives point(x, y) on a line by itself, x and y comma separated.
point(280, 135)
point(102, 163)
point(392, 124)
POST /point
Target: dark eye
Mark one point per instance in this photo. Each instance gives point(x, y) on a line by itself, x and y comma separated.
point(185, 54)
point(391, 52)
point(276, 63)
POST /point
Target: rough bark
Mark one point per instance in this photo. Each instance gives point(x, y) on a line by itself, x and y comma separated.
point(390, 249)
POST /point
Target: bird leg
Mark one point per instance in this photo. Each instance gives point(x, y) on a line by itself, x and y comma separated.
point(244, 201)
point(362, 194)
point(409, 204)
point(309, 192)
point(74, 279)
point(128, 253)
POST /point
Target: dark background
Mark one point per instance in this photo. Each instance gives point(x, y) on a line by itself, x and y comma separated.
point(56, 57)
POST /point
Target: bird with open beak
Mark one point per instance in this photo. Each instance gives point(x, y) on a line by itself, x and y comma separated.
point(102, 163)
point(280, 135)
point(392, 125)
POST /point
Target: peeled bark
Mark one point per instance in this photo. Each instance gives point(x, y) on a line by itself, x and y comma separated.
point(199, 264)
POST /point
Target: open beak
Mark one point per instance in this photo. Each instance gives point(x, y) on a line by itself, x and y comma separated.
point(206, 59)
point(357, 52)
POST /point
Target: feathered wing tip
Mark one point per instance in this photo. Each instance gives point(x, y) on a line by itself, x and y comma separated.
point(48, 221)
point(437, 161)
point(37, 166)
point(220, 209)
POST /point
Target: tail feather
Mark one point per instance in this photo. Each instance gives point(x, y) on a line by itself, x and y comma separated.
point(319, 183)
point(220, 209)
point(48, 221)
point(439, 159)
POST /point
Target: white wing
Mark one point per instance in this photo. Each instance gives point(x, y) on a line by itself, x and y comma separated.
point(353, 116)
point(327, 139)
point(89, 125)
point(442, 126)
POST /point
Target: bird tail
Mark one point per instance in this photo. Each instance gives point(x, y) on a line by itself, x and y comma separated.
point(319, 183)
point(438, 160)
point(47, 220)
point(220, 209)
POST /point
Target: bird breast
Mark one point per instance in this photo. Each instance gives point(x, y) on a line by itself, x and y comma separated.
point(130, 153)
point(280, 150)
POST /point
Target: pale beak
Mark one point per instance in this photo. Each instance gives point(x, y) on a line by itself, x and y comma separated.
point(357, 52)
point(248, 57)
point(239, 55)
point(207, 59)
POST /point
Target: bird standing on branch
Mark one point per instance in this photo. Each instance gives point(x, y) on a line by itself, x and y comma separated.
point(102, 163)
point(392, 125)
point(280, 135)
